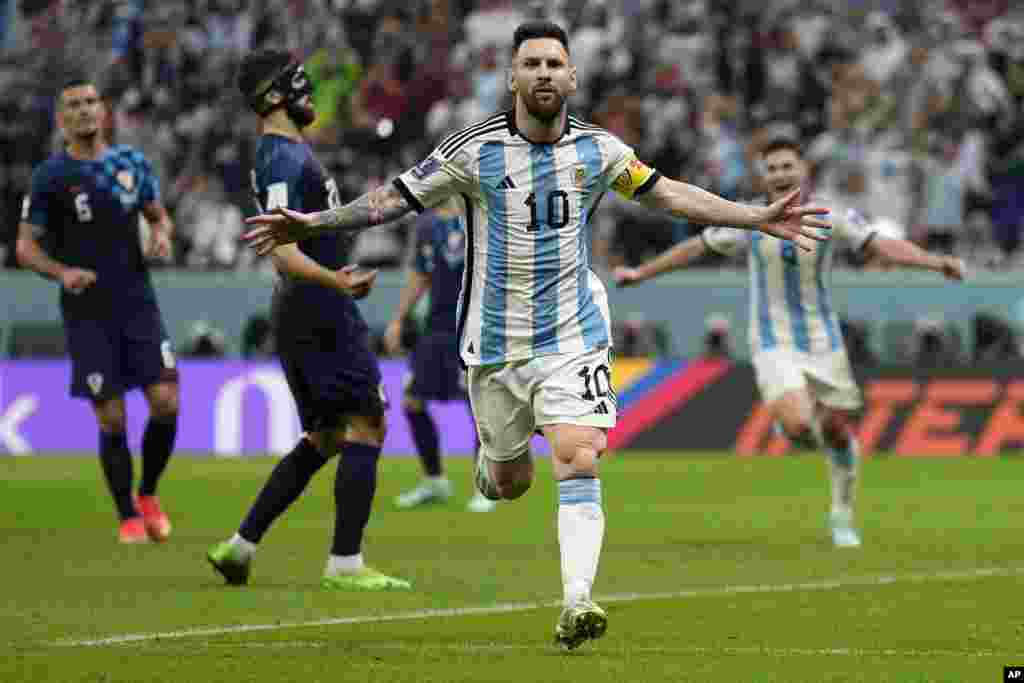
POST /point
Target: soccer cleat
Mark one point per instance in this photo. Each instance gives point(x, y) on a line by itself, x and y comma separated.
point(131, 531)
point(157, 525)
point(482, 478)
point(478, 503)
point(230, 563)
point(843, 533)
point(365, 579)
point(428, 491)
point(579, 623)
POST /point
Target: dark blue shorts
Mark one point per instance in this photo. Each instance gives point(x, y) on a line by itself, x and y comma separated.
point(112, 355)
point(330, 375)
point(436, 373)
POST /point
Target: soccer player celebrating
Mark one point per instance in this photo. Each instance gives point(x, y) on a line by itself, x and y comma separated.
point(437, 374)
point(322, 340)
point(85, 202)
point(533, 324)
point(802, 370)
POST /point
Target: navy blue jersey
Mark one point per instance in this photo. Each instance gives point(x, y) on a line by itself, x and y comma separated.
point(441, 253)
point(88, 215)
point(287, 174)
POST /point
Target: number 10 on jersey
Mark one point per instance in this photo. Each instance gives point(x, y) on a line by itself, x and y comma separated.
point(556, 212)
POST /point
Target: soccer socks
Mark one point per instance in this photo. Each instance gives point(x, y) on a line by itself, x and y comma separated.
point(116, 461)
point(843, 471)
point(424, 433)
point(157, 445)
point(354, 488)
point(580, 534)
point(288, 479)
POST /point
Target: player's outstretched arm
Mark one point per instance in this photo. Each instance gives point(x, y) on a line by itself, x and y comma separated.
point(284, 226)
point(679, 256)
point(903, 253)
point(784, 218)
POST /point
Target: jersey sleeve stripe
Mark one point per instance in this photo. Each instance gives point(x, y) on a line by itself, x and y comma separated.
point(409, 196)
point(455, 144)
point(469, 129)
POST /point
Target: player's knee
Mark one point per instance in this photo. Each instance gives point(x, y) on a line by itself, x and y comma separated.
point(411, 404)
point(110, 416)
point(582, 453)
point(367, 429)
point(837, 430)
point(165, 403)
point(798, 429)
point(513, 478)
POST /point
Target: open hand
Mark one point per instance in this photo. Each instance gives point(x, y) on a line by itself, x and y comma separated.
point(787, 220)
point(77, 280)
point(284, 226)
point(355, 281)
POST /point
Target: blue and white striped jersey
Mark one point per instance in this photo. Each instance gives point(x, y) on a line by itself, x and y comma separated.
point(790, 303)
point(527, 287)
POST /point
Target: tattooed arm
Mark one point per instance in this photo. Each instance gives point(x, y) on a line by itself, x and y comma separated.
point(382, 205)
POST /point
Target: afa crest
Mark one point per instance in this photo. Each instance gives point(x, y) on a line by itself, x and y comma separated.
point(579, 177)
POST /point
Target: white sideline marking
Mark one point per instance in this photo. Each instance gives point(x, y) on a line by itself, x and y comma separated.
point(506, 608)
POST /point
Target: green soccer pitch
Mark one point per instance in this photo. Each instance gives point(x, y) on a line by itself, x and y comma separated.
point(714, 569)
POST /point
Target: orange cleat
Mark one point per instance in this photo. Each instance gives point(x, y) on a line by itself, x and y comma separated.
point(157, 525)
point(133, 530)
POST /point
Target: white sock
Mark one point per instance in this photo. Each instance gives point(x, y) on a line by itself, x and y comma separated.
point(843, 470)
point(580, 533)
point(344, 564)
point(247, 548)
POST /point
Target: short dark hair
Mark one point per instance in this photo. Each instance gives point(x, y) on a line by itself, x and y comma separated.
point(259, 68)
point(539, 29)
point(76, 81)
point(777, 144)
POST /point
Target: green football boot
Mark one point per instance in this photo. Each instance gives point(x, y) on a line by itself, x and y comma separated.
point(229, 563)
point(365, 579)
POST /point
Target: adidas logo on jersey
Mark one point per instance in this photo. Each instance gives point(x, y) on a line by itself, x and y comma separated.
point(507, 184)
point(470, 349)
point(601, 408)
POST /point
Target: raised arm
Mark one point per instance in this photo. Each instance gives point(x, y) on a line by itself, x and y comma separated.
point(783, 219)
point(381, 205)
point(679, 256)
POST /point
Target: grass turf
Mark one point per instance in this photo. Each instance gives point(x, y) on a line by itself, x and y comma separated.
point(734, 535)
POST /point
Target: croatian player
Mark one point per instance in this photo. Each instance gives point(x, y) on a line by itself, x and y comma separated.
point(436, 371)
point(800, 362)
point(84, 205)
point(322, 340)
point(533, 325)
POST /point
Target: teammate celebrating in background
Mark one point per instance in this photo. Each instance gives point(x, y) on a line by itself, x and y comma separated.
point(436, 372)
point(802, 369)
point(85, 202)
point(533, 323)
point(322, 340)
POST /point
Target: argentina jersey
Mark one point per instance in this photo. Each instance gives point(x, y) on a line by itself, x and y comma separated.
point(790, 302)
point(527, 288)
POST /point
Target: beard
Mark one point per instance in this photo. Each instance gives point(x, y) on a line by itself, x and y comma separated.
point(546, 113)
point(301, 115)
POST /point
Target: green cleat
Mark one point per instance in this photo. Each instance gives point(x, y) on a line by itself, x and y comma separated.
point(582, 622)
point(229, 563)
point(365, 579)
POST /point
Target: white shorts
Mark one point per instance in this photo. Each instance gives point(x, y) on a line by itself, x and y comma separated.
point(825, 376)
point(512, 400)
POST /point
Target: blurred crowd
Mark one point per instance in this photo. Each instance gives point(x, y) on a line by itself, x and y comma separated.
point(911, 110)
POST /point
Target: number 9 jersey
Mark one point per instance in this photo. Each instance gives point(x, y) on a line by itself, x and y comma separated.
point(528, 289)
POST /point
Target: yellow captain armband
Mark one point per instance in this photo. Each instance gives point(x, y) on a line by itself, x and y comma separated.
point(635, 179)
